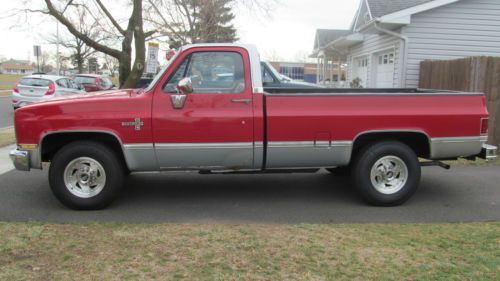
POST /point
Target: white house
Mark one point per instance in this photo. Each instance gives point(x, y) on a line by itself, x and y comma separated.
point(16, 67)
point(389, 38)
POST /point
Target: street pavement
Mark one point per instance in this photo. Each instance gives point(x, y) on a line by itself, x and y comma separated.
point(6, 112)
point(463, 194)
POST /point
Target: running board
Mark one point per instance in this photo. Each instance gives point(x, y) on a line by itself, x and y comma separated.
point(253, 172)
point(435, 163)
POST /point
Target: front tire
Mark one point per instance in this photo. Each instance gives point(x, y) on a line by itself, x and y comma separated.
point(86, 175)
point(386, 173)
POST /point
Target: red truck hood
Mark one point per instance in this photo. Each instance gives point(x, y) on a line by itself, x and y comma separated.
point(109, 94)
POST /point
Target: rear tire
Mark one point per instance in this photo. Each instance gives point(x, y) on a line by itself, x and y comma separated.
point(86, 175)
point(386, 173)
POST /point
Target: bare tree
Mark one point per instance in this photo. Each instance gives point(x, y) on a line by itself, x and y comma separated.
point(133, 32)
point(111, 64)
point(272, 55)
point(196, 21)
point(80, 51)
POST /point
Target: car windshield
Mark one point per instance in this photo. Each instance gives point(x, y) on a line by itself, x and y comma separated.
point(35, 82)
point(85, 80)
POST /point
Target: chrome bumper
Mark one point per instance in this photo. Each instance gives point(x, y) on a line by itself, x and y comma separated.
point(489, 152)
point(20, 159)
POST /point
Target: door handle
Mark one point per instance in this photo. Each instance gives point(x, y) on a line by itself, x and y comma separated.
point(245, 101)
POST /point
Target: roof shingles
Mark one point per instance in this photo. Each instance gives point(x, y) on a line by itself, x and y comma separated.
point(379, 8)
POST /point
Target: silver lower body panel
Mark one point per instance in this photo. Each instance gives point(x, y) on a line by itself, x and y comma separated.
point(444, 148)
point(308, 154)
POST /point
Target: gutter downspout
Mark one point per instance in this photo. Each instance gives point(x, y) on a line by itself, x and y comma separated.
point(402, 78)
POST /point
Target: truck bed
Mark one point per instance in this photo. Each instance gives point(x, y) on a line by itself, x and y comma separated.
point(362, 91)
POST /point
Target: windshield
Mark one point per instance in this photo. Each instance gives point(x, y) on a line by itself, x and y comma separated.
point(162, 71)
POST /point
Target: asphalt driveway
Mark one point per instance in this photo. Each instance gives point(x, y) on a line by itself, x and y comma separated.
point(464, 194)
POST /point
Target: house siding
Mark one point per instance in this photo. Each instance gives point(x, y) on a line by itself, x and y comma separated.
point(462, 29)
point(372, 45)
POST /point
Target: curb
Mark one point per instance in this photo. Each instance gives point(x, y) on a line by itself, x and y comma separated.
point(5, 163)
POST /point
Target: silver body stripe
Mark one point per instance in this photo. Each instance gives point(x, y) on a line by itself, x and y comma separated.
point(442, 148)
point(306, 154)
point(231, 156)
point(248, 155)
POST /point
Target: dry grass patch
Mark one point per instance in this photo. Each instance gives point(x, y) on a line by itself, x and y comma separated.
point(7, 81)
point(7, 137)
point(249, 252)
point(478, 162)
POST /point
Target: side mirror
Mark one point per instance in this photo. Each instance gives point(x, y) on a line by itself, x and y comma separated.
point(185, 86)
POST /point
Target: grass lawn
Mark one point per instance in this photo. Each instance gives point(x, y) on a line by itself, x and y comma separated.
point(249, 252)
point(478, 162)
point(7, 81)
point(5, 93)
point(7, 136)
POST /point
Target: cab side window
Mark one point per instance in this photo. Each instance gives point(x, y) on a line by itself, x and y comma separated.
point(62, 83)
point(210, 73)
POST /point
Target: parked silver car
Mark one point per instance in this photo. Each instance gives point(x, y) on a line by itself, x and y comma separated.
point(36, 88)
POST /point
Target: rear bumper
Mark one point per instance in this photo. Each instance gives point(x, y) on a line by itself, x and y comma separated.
point(20, 159)
point(489, 152)
point(20, 100)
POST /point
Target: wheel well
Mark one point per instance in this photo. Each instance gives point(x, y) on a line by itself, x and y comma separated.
point(418, 142)
point(53, 142)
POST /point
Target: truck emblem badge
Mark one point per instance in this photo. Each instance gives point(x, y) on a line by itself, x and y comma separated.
point(137, 124)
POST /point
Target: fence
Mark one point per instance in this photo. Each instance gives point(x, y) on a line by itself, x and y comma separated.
point(475, 74)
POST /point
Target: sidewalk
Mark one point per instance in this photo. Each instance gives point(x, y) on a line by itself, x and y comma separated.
point(5, 163)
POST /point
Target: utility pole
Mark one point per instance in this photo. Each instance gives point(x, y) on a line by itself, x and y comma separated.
point(57, 50)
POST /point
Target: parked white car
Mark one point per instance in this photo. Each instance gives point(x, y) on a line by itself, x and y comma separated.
point(41, 87)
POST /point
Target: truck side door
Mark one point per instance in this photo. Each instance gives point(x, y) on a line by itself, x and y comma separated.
point(214, 127)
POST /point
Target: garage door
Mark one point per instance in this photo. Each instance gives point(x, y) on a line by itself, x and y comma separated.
point(385, 70)
point(360, 70)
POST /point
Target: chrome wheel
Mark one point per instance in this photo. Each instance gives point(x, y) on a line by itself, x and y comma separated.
point(389, 174)
point(84, 177)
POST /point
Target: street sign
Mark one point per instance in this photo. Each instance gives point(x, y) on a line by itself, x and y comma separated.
point(37, 51)
point(152, 59)
point(93, 67)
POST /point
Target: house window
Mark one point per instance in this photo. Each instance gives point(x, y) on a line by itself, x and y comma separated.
point(386, 58)
point(294, 72)
point(362, 62)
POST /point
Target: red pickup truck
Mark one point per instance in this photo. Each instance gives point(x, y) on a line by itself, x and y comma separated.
point(207, 111)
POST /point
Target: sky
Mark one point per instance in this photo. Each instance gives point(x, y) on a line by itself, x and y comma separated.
point(286, 34)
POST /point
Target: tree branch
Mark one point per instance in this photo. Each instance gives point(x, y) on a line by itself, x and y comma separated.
point(110, 17)
point(110, 51)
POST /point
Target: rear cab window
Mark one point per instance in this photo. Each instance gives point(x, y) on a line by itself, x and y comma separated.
point(210, 73)
point(34, 82)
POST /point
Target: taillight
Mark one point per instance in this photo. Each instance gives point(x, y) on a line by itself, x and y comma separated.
point(16, 89)
point(484, 126)
point(51, 90)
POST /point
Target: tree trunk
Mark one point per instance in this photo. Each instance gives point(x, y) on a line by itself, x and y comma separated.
point(140, 48)
point(79, 62)
point(125, 61)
